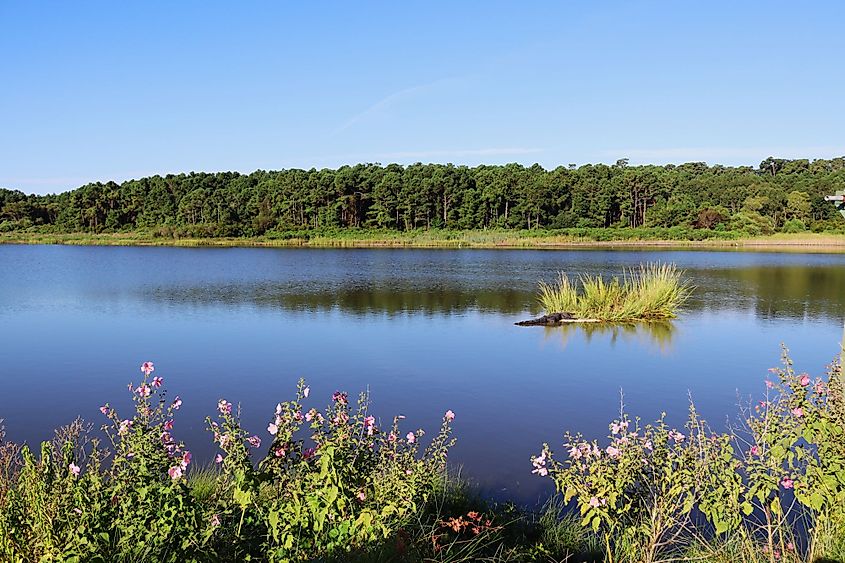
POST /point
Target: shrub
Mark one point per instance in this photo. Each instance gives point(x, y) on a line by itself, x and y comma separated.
point(794, 226)
point(330, 481)
point(782, 469)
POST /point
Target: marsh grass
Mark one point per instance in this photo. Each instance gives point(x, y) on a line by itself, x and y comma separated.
point(204, 482)
point(651, 292)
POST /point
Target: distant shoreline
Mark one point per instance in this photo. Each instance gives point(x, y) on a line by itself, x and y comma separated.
point(802, 242)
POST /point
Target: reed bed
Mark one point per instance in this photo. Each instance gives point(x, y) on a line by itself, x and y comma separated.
point(651, 292)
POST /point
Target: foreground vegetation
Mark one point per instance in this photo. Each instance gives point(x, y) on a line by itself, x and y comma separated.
point(334, 485)
point(654, 292)
point(695, 199)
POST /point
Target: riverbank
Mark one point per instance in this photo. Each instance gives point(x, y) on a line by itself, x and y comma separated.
point(569, 238)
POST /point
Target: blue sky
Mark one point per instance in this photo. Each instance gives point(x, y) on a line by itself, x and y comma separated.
point(116, 90)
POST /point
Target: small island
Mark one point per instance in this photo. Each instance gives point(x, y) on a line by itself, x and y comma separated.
point(649, 293)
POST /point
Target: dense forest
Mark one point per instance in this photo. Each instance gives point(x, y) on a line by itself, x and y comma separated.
point(779, 195)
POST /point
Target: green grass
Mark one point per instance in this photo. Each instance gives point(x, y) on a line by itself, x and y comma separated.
point(445, 238)
point(652, 292)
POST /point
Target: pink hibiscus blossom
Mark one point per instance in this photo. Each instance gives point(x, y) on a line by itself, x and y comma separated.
point(157, 382)
point(147, 368)
point(539, 464)
point(449, 416)
point(224, 406)
point(175, 472)
point(306, 392)
point(177, 402)
point(143, 390)
point(613, 452)
point(755, 450)
point(787, 483)
point(74, 469)
point(254, 441)
point(411, 437)
point(370, 425)
point(218, 458)
point(676, 436)
point(798, 412)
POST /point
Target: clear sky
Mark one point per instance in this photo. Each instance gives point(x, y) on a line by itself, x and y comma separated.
point(116, 90)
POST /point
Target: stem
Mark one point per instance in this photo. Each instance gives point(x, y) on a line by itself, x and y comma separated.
point(607, 546)
point(241, 522)
point(842, 361)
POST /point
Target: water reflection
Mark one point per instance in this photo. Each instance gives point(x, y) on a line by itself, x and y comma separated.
point(769, 291)
point(656, 335)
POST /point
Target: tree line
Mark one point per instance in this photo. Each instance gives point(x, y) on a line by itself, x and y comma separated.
point(779, 194)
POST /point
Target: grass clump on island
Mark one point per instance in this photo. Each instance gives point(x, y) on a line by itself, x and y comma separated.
point(650, 293)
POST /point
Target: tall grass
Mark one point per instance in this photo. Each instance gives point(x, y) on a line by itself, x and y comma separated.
point(651, 292)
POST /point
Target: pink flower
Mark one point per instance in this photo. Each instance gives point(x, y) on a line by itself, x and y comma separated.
point(449, 416)
point(411, 437)
point(105, 410)
point(676, 436)
point(341, 418)
point(124, 427)
point(74, 469)
point(215, 521)
point(648, 445)
point(594, 502)
point(820, 388)
point(308, 453)
point(370, 425)
point(177, 402)
point(755, 450)
point(186, 458)
point(147, 368)
point(168, 424)
point(391, 437)
point(157, 382)
point(143, 390)
point(272, 429)
point(769, 384)
point(306, 392)
point(297, 416)
point(539, 464)
point(362, 496)
point(787, 483)
point(175, 472)
point(224, 406)
point(612, 452)
point(279, 452)
point(798, 412)
point(575, 452)
point(805, 380)
point(616, 428)
point(218, 458)
point(339, 397)
point(254, 441)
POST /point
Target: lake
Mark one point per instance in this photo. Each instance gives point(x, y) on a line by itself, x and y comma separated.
point(423, 330)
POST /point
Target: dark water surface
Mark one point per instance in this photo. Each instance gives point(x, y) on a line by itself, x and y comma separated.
point(424, 330)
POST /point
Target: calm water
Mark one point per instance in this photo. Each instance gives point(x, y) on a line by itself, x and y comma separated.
point(424, 330)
